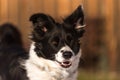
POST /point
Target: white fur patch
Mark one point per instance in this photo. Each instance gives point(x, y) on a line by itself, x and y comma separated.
point(39, 68)
point(59, 56)
point(78, 26)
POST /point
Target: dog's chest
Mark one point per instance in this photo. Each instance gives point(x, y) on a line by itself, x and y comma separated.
point(47, 72)
point(35, 72)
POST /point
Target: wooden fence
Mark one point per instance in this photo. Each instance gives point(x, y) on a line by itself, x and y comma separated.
point(102, 19)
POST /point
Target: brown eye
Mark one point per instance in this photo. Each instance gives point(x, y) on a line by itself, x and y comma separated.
point(55, 41)
point(69, 38)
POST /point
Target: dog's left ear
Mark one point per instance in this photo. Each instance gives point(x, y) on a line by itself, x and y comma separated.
point(76, 19)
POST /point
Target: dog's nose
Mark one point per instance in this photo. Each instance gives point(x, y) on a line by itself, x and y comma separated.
point(67, 54)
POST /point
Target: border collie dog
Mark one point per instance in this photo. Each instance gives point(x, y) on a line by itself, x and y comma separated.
point(55, 50)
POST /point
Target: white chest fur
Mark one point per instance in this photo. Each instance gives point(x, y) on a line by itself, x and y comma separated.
point(42, 69)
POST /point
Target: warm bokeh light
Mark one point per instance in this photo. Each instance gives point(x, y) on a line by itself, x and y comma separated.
point(101, 41)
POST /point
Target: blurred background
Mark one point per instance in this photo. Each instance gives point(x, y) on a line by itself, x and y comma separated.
point(101, 42)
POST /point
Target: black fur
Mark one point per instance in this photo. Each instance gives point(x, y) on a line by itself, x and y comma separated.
point(49, 36)
point(54, 34)
point(11, 53)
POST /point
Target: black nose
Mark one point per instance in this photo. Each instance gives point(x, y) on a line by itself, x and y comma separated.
point(67, 54)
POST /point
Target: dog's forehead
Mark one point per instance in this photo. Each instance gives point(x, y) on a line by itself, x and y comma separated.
point(65, 27)
point(61, 29)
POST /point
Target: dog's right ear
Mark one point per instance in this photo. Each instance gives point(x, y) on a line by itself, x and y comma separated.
point(42, 21)
point(41, 25)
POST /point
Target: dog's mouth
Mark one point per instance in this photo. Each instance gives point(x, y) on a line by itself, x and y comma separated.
point(65, 64)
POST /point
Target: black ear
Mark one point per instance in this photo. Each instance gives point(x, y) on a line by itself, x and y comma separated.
point(76, 21)
point(41, 25)
point(75, 16)
point(42, 21)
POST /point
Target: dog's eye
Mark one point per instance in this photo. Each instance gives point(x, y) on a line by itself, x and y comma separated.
point(69, 38)
point(55, 41)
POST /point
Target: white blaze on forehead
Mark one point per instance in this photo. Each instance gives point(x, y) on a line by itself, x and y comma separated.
point(66, 48)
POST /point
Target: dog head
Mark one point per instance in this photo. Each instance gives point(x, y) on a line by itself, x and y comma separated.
point(58, 41)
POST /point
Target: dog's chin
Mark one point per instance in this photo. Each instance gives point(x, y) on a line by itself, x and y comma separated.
point(65, 64)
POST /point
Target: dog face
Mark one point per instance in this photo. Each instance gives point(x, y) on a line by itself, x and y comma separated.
point(58, 41)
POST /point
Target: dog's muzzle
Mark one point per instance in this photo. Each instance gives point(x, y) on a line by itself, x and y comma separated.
point(66, 62)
